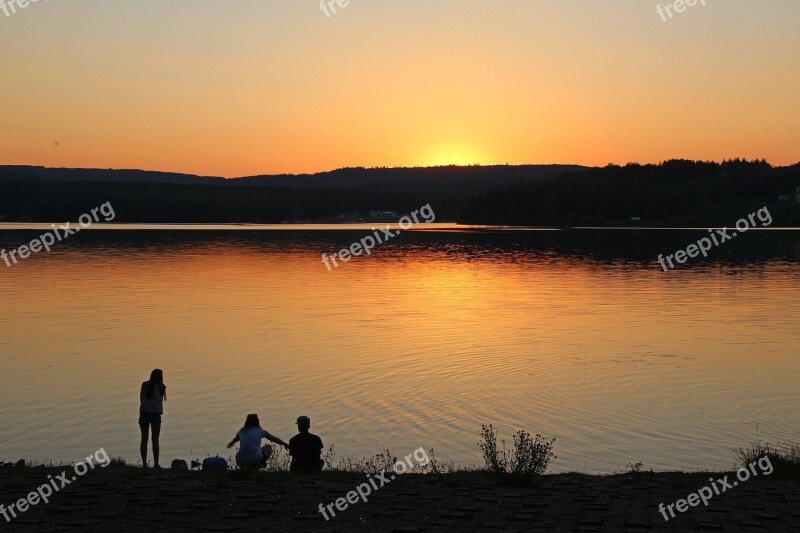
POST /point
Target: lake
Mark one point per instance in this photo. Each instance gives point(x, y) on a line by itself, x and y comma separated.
point(576, 334)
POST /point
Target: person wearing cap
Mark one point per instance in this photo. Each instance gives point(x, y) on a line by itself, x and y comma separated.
point(305, 449)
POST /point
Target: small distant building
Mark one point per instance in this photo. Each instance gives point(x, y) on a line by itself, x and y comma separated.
point(379, 213)
point(797, 195)
point(636, 220)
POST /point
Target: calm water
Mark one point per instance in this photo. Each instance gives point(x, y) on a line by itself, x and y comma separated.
point(575, 334)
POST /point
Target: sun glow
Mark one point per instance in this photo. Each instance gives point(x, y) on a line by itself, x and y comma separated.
point(454, 154)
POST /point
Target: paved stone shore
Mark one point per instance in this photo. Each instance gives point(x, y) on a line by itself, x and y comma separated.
point(127, 499)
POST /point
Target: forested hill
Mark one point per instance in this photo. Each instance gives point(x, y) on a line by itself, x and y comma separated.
point(42, 194)
point(443, 180)
point(674, 193)
point(51, 201)
point(447, 179)
point(678, 192)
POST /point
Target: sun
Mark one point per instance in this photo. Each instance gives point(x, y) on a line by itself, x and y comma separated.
point(453, 154)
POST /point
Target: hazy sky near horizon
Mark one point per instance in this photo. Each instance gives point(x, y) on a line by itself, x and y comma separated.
point(267, 86)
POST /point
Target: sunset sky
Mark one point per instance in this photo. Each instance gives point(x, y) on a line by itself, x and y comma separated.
point(270, 86)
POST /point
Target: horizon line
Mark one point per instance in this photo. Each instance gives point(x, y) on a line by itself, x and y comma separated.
point(416, 167)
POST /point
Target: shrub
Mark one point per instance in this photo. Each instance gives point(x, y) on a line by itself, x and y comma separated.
point(784, 457)
point(528, 460)
point(279, 461)
point(634, 468)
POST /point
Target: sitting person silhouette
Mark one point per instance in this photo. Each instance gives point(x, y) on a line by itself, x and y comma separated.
point(305, 449)
point(251, 454)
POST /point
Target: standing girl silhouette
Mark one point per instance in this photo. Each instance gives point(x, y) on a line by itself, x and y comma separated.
point(151, 407)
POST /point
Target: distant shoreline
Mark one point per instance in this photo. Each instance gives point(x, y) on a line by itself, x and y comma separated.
point(682, 194)
point(351, 226)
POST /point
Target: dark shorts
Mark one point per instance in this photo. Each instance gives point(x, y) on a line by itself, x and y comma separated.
point(149, 418)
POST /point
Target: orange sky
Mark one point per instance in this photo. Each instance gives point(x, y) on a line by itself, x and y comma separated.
point(268, 86)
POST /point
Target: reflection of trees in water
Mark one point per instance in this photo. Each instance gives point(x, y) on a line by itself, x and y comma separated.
point(596, 248)
point(793, 220)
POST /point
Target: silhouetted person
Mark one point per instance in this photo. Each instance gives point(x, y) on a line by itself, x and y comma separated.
point(251, 454)
point(151, 407)
point(305, 449)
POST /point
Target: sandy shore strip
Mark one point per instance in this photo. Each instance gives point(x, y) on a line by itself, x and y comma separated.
point(129, 499)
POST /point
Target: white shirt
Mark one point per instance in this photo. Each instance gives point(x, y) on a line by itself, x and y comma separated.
point(250, 445)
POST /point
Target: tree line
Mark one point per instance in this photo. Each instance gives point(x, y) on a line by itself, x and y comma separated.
point(676, 192)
